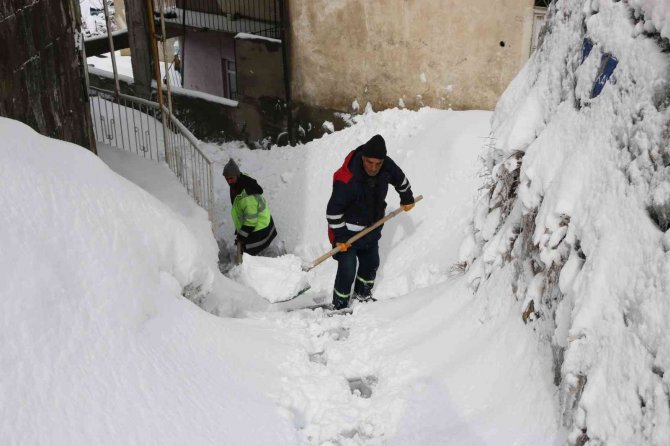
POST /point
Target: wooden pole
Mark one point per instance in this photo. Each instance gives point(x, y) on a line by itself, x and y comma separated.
point(165, 57)
point(159, 87)
point(138, 18)
point(117, 89)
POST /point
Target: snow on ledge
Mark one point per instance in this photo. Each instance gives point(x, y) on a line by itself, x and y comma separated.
point(255, 37)
point(104, 36)
point(109, 74)
point(199, 94)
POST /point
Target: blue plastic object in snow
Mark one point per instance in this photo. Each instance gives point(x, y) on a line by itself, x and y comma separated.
point(587, 46)
point(605, 72)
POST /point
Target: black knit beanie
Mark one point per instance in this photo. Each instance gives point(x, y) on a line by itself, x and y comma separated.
point(231, 169)
point(375, 148)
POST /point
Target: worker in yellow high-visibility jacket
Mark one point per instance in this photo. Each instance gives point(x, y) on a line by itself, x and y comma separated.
point(254, 227)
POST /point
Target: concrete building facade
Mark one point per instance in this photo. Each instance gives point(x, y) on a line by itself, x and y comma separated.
point(410, 53)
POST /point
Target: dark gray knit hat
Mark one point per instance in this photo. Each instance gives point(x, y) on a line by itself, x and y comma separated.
point(375, 148)
point(231, 169)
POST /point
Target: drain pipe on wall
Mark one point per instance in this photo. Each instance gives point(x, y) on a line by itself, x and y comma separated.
point(283, 14)
point(159, 86)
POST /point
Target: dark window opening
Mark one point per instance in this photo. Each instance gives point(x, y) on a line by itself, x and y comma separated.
point(229, 78)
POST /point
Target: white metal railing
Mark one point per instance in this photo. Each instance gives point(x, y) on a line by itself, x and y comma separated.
point(134, 125)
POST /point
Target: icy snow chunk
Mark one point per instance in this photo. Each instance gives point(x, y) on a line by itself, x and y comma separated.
point(491, 224)
point(557, 237)
point(355, 105)
point(535, 288)
point(467, 248)
point(368, 108)
point(274, 278)
point(422, 77)
point(328, 126)
point(569, 272)
point(526, 128)
point(401, 103)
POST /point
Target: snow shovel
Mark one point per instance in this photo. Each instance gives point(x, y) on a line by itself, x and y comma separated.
point(358, 236)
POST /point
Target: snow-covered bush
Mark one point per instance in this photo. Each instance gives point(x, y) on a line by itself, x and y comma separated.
point(578, 210)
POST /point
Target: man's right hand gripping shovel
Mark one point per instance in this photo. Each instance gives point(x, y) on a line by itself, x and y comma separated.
point(343, 246)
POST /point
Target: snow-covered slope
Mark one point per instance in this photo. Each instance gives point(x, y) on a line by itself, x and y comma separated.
point(576, 218)
point(97, 344)
point(101, 347)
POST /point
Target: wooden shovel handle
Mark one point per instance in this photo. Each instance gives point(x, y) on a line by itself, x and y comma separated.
point(361, 234)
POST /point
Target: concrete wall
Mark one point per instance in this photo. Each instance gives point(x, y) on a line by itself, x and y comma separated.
point(40, 73)
point(202, 56)
point(458, 54)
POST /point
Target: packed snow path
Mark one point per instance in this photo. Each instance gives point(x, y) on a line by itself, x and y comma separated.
point(337, 387)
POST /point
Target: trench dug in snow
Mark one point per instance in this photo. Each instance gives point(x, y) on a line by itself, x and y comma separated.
point(345, 383)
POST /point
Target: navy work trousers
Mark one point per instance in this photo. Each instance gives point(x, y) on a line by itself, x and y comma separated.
point(368, 262)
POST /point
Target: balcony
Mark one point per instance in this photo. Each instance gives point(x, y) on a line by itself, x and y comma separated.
point(259, 17)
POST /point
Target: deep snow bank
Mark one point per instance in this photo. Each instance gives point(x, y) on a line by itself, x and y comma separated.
point(97, 345)
point(578, 210)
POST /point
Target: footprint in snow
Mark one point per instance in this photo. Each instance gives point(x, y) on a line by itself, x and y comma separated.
point(318, 357)
point(338, 333)
point(362, 386)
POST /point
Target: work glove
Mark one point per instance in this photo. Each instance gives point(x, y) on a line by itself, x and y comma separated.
point(240, 234)
point(407, 207)
point(239, 240)
point(343, 246)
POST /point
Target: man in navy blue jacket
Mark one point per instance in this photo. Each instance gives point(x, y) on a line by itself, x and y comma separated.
point(358, 200)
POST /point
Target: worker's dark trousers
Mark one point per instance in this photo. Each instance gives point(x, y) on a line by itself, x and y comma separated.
point(368, 262)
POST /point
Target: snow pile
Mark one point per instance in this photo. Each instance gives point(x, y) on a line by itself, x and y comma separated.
point(98, 346)
point(275, 278)
point(575, 221)
point(653, 16)
point(227, 298)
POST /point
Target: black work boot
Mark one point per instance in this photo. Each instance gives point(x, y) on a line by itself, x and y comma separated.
point(340, 302)
point(364, 297)
point(363, 289)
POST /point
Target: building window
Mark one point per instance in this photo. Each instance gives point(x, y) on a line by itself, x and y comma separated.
point(229, 78)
